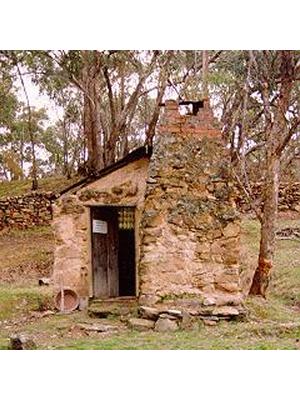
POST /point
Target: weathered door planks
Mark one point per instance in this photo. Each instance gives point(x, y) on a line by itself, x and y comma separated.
point(105, 254)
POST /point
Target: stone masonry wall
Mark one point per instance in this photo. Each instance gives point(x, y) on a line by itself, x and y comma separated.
point(190, 227)
point(26, 211)
point(72, 262)
point(288, 199)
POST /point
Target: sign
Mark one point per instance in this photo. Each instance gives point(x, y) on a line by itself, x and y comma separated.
point(99, 226)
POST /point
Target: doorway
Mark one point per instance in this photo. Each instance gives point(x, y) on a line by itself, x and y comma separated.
point(113, 251)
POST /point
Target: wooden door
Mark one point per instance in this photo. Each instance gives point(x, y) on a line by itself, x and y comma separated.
point(104, 226)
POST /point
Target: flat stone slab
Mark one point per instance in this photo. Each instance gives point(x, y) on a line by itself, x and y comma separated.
point(165, 315)
point(105, 309)
point(175, 313)
point(141, 324)
point(97, 327)
point(226, 311)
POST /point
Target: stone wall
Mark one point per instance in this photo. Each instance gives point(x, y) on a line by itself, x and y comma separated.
point(72, 259)
point(190, 227)
point(26, 211)
point(289, 197)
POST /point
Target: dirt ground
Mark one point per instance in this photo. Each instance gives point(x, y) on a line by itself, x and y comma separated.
point(26, 255)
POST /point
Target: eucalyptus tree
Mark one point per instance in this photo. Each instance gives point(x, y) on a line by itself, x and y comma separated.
point(276, 74)
point(13, 61)
point(8, 109)
point(258, 94)
point(113, 85)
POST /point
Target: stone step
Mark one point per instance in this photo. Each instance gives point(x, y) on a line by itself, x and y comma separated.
point(121, 299)
point(120, 306)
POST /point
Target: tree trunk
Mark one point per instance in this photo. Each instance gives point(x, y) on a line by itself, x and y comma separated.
point(91, 118)
point(22, 156)
point(32, 141)
point(262, 274)
point(110, 148)
point(65, 149)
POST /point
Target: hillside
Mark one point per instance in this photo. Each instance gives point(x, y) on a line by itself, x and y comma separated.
point(18, 188)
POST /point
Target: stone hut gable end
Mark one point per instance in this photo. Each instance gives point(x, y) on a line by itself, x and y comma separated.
point(124, 184)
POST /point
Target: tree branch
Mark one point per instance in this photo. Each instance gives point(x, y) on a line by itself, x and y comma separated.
point(110, 97)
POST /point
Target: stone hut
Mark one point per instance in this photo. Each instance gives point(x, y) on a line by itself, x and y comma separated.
point(159, 225)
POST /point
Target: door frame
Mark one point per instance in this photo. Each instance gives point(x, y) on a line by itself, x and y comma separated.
point(90, 244)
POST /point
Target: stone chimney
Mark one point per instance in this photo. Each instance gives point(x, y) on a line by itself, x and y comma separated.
point(201, 123)
point(190, 227)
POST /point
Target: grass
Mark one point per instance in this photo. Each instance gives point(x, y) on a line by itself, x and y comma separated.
point(285, 283)
point(18, 188)
point(286, 278)
point(19, 301)
point(272, 323)
point(225, 337)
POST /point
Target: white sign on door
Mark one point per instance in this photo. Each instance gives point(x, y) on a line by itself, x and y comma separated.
point(99, 226)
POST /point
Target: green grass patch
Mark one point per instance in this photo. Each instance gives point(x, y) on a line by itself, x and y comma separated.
point(285, 283)
point(17, 301)
point(51, 184)
point(229, 337)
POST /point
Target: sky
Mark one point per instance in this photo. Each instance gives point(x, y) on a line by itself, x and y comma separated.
point(39, 100)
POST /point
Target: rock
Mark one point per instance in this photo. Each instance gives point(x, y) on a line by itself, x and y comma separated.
point(97, 327)
point(186, 321)
point(165, 315)
point(231, 230)
point(44, 281)
point(209, 322)
point(297, 208)
point(148, 300)
point(209, 301)
point(105, 310)
point(151, 180)
point(165, 325)
point(231, 287)
point(149, 313)
point(210, 317)
point(21, 342)
point(226, 311)
point(229, 300)
point(140, 324)
point(42, 314)
point(83, 303)
point(175, 313)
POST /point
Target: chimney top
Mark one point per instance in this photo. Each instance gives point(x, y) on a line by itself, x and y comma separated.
point(200, 121)
point(173, 104)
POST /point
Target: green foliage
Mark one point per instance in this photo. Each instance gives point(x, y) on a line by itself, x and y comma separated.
point(123, 116)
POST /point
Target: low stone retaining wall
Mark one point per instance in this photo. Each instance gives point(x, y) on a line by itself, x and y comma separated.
point(289, 197)
point(36, 208)
point(26, 211)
